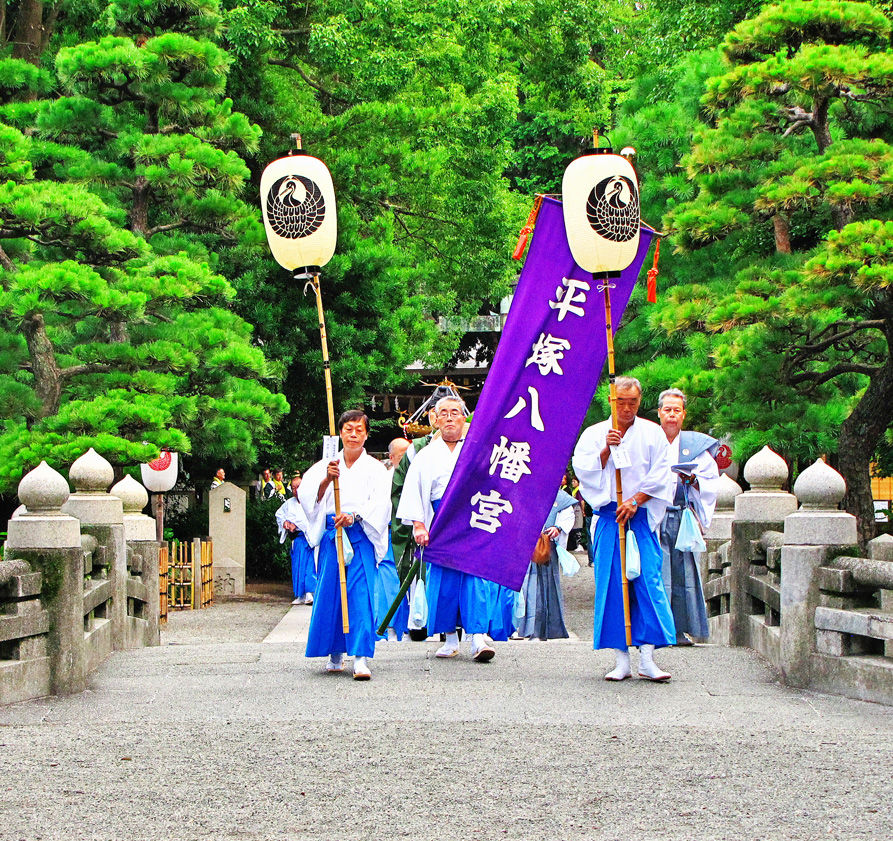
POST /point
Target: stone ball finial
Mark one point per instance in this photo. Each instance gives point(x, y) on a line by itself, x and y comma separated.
point(766, 470)
point(43, 490)
point(726, 491)
point(820, 487)
point(132, 494)
point(91, 473)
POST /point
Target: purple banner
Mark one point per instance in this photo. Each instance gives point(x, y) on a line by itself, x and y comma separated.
point(541, 383)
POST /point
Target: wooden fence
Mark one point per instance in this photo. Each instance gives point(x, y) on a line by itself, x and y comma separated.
point(186, 575)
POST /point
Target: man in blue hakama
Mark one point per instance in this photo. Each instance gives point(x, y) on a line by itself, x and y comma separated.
point(455, 599)
point(640, 447)
point(291, 519)
point(365, 512)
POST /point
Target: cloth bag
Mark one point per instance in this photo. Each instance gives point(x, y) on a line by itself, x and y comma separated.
point(418, 610)
point(542, 552)
point(633, 559)
point(569, 564)
point(689, 538)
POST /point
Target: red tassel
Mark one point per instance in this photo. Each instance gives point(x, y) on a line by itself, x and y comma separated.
point(518, 253)
point(652, 276)
point(527, 230)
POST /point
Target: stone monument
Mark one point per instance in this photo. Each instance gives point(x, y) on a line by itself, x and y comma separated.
point(226, 526)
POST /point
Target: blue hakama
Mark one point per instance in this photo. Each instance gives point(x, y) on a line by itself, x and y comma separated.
point(303, 566)
point(651, 619)
point(502, 623)
point(325, 636)
point(387, 585)
point(457, 599)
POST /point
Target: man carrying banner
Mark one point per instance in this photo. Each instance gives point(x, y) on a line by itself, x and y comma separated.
point(455, 599)
point(365, 513)
point(638, 448)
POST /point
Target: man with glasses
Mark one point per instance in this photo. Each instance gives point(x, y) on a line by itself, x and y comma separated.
point(455, 599)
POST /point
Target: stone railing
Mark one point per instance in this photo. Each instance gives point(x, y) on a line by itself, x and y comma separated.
point(782, 576)
point(79, 579)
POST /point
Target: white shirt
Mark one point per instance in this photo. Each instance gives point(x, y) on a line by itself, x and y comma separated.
point(702, 498)
point(292, 511)
point(426, 481)
point(364, 491)
point(649, 471)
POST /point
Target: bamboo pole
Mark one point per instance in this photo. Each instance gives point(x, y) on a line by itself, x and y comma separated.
point(339, 536)
point(605, 283)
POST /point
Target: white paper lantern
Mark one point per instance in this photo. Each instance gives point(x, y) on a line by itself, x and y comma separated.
point(600, 195)
point(160, 476)
point(298, 203)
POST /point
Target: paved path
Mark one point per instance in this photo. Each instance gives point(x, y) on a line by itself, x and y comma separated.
point(204, 738)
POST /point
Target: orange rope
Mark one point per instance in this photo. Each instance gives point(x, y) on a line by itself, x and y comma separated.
point(527, 230)
point(652, 276)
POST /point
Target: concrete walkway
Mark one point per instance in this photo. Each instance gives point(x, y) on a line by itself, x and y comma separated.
point(227, 732)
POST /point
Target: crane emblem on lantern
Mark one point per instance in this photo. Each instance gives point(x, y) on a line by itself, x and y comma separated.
point(295, 207)
point(613, 209)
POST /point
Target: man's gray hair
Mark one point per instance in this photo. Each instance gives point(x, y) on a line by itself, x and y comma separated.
point(670, 392)
point(450, 399)
point(628, 382)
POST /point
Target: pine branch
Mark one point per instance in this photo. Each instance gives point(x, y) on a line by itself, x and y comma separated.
point(86, 368)
point(5, 261)
point(171, 226)
point(819, 377)
point(313, 84)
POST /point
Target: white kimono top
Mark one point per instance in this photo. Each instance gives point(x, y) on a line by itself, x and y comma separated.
point(426, 481)
point(364, 491)
point(292, 511)
point(649, 471)
point(702, 498)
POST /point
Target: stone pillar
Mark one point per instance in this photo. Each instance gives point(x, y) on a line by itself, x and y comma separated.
point(143, 598)
point(226, 516)
point(811, 536)
point(50, 542)
point(762, 508)
point(105, 590)
point(881, 549)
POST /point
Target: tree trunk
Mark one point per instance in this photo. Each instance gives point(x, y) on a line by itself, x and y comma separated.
point(28, 31)
point(782, 234)
point(47, 376)
point(139, 215)
point(859, 436)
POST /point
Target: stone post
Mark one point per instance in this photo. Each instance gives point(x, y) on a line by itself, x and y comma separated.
point(881, 549)
point(762, 508)
point(812, 535)
point(226, 516)
point(50, 542)
point(143, 598)
point(102, 516)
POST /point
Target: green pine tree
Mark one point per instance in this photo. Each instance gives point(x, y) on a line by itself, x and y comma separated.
point(122, 206)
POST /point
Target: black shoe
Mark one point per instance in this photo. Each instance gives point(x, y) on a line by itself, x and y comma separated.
point(418, 634)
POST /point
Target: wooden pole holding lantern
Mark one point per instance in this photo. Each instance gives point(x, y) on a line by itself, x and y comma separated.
point(327, 373)
point(298, 205)
point(600, 198)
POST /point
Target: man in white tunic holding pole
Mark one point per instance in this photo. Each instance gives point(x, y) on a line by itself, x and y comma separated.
point(365, 514)
point(455, 599)
point(638, 448)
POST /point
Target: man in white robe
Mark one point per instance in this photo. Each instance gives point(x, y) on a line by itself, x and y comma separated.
point(696, 489)
point(639, 448)
point(455, 599)
point(365, 513)
point(291, 520)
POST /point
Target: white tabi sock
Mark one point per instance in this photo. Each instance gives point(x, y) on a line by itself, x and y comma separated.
point(622, 670)
point(452, 640)
point(647, 667)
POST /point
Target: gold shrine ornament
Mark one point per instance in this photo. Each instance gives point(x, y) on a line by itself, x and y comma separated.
point(600, 198)
point(297, 199)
